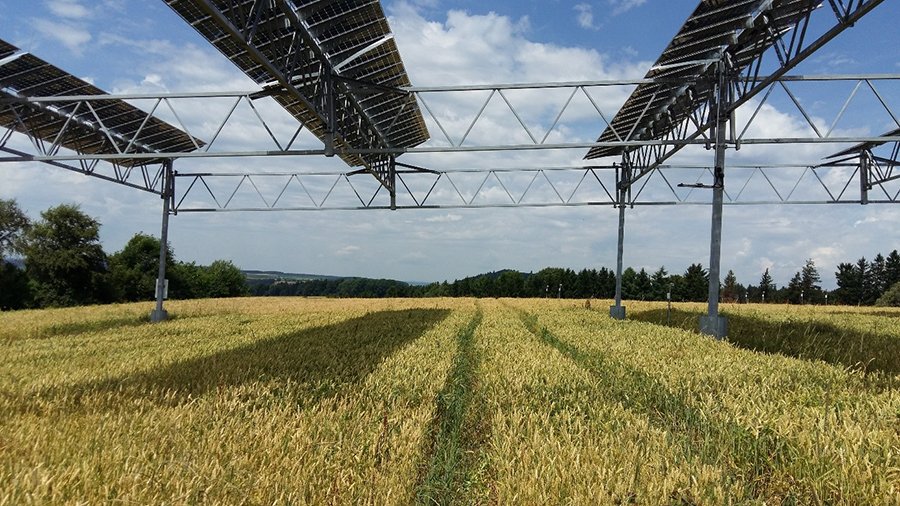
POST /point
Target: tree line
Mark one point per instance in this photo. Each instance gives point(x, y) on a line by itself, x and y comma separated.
point(341, 287)
point(64, 264)
point(549, 282)
point(866, 283)
point(859, 284)
point(555, 282)
point(60, 262)
point(690, 286)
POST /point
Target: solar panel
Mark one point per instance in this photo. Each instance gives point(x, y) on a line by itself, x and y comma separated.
point(741, 30)
point(7, 49)
point(865, 146)
point(288, 46)
point(103, 126)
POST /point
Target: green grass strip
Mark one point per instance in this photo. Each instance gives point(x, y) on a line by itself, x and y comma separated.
point(455, 429)
point(752, 458)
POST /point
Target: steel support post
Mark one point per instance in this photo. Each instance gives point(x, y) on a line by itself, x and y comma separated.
point(159, 314)
point(392, 177)
point(331, 119)
point(618, 310)
point(713, 324)
point(864, 158)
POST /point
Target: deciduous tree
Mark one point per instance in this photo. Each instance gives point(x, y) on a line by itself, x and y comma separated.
point(891, 297)
point(14, 289)
point(64, 258)
point(133, 270)
point(225, 280)
point(13, 224)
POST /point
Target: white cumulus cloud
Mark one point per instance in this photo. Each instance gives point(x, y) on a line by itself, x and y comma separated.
point(585, 16)
point(71, 9)
point(623, 6)
point(73, 37)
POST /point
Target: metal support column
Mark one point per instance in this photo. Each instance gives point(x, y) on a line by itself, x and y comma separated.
point(330, 111)
point(712, 324)
point(159, 314)
point(392, 178)
point(864, 158)
point(618, 310)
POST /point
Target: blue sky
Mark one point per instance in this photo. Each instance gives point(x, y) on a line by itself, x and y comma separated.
point(70, 31)
point(130, 45)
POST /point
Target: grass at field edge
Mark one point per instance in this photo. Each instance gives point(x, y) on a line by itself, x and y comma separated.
point(456, 430)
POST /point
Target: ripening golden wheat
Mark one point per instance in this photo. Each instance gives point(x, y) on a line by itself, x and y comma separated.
point(783, 429)
point(440, 401)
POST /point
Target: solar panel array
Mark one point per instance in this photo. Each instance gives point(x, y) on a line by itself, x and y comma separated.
point(866, 145)
point(104, 126)
point(289, 45)
point(741, 29)
point(7, 49)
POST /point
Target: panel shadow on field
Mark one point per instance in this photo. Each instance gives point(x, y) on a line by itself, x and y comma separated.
point(804, 339)
point(72, 329)
point(302, 367)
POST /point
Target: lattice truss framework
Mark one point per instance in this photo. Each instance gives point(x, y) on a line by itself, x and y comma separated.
point(333, 65)
point(813, 181)
point(96, 125)
point(259, 27)
point(745, 37)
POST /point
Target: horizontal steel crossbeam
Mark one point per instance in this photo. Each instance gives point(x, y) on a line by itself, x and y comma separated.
point(574, 186)
point(241, 109)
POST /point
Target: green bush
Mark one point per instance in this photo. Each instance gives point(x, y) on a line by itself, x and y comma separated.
point(890, 298)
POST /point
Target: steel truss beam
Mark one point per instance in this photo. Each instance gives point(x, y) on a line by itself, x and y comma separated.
point(452, 141)
point(35, 119)
point(239, 109)
point(575, 186)
point(875, 163)
point(880, 170)
point(147, 178)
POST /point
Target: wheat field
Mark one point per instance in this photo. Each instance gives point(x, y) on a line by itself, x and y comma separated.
point(448, 401)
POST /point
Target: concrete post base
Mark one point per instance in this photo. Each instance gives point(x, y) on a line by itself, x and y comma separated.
point(159, 316)
point(716, 327)
point(617, 312)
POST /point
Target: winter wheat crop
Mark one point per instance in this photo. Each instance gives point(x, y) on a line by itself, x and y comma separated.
point(440, 401)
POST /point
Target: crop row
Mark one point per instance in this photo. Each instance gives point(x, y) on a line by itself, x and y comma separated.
point(435, 401)
point(783, 429)
point(320, 404)
point(856, 337)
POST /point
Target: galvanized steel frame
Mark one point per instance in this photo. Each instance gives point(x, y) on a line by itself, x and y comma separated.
point(393, 175)
point(745, 83)
point(291, 51)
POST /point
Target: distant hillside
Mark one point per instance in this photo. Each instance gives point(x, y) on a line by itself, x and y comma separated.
point(264, 276)
point(285, 276)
